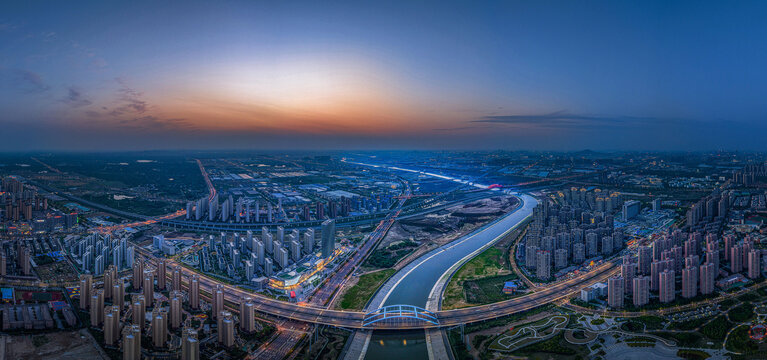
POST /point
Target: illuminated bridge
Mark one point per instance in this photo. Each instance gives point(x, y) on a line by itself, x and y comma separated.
point(399, 316)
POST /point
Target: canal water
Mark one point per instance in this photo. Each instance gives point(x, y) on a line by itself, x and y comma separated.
point(415, 287)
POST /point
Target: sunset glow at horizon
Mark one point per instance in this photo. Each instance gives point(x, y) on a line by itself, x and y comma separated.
point(507, 75)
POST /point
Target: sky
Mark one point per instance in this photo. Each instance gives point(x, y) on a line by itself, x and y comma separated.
point(485, 75)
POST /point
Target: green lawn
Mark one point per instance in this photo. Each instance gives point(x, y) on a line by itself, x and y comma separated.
point(359, 294)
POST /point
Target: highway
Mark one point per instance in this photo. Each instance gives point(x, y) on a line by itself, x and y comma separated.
point(354, 320)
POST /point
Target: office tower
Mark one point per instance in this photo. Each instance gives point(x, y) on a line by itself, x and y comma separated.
point(3, 265)
point(86, 283)
point(645, 259)
point(628, 273)
point(111, 325)
point(190, 346)
point(97, 307)
point(754, 264)
point(194, 293)
point(656, 205)
point(225, 328)
point(631, 209)
point(247, 316)
point(641, 290)
point(176, 299)
point(736, 258)
point(543, 265)
point(217, 303)
point(667, 286)
point(161, 270)
point(139, 310)
point(177, 278)
point(690, 282)
point(615, 292)
point(148, 287)
point(328, 238)
point(707, 274)
point(159, 327)
point(138, 275)
point(132, 343)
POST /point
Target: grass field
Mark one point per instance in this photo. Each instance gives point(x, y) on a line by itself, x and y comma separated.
point(358, 295)
point(479, 281)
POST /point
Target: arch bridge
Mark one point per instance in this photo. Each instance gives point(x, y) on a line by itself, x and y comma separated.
point(400, 316)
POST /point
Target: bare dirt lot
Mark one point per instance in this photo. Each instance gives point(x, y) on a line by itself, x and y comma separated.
point(61, 345)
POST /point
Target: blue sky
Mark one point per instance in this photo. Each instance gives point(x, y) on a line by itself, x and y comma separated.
point(557, 75)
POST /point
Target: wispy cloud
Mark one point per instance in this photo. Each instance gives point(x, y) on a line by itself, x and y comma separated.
point(30, 81)
point(131, 100)
point(75, 98)
point(563, 119)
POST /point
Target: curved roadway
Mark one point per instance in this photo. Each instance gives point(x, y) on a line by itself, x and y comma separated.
point(352, 319)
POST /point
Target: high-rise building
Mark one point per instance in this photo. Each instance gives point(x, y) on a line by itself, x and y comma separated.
point(631, 209)
point(148, 287)
point(615, 292)
point(328, 238)
point(690, 282)
point(139, 310)
point(190, 345)
point(247, 316)
point(86, 283)
point(225, 328)
point(543, 265)
point(177, 278)
point(159, 327)
point(644, 260)
point(138, 275)
point(736, 258)
point(111, 325)
point(667, 286)
point(161, 273)
point(754, 264)
point(641, 291)
point(628, 273)
point(217, 303)
point(118, 293)
point(97, 307)
point(194, 292)
point(176, 298)
point(132, 343)
point(707, 274)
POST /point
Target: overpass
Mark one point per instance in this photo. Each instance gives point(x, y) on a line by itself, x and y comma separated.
point(361, 320)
